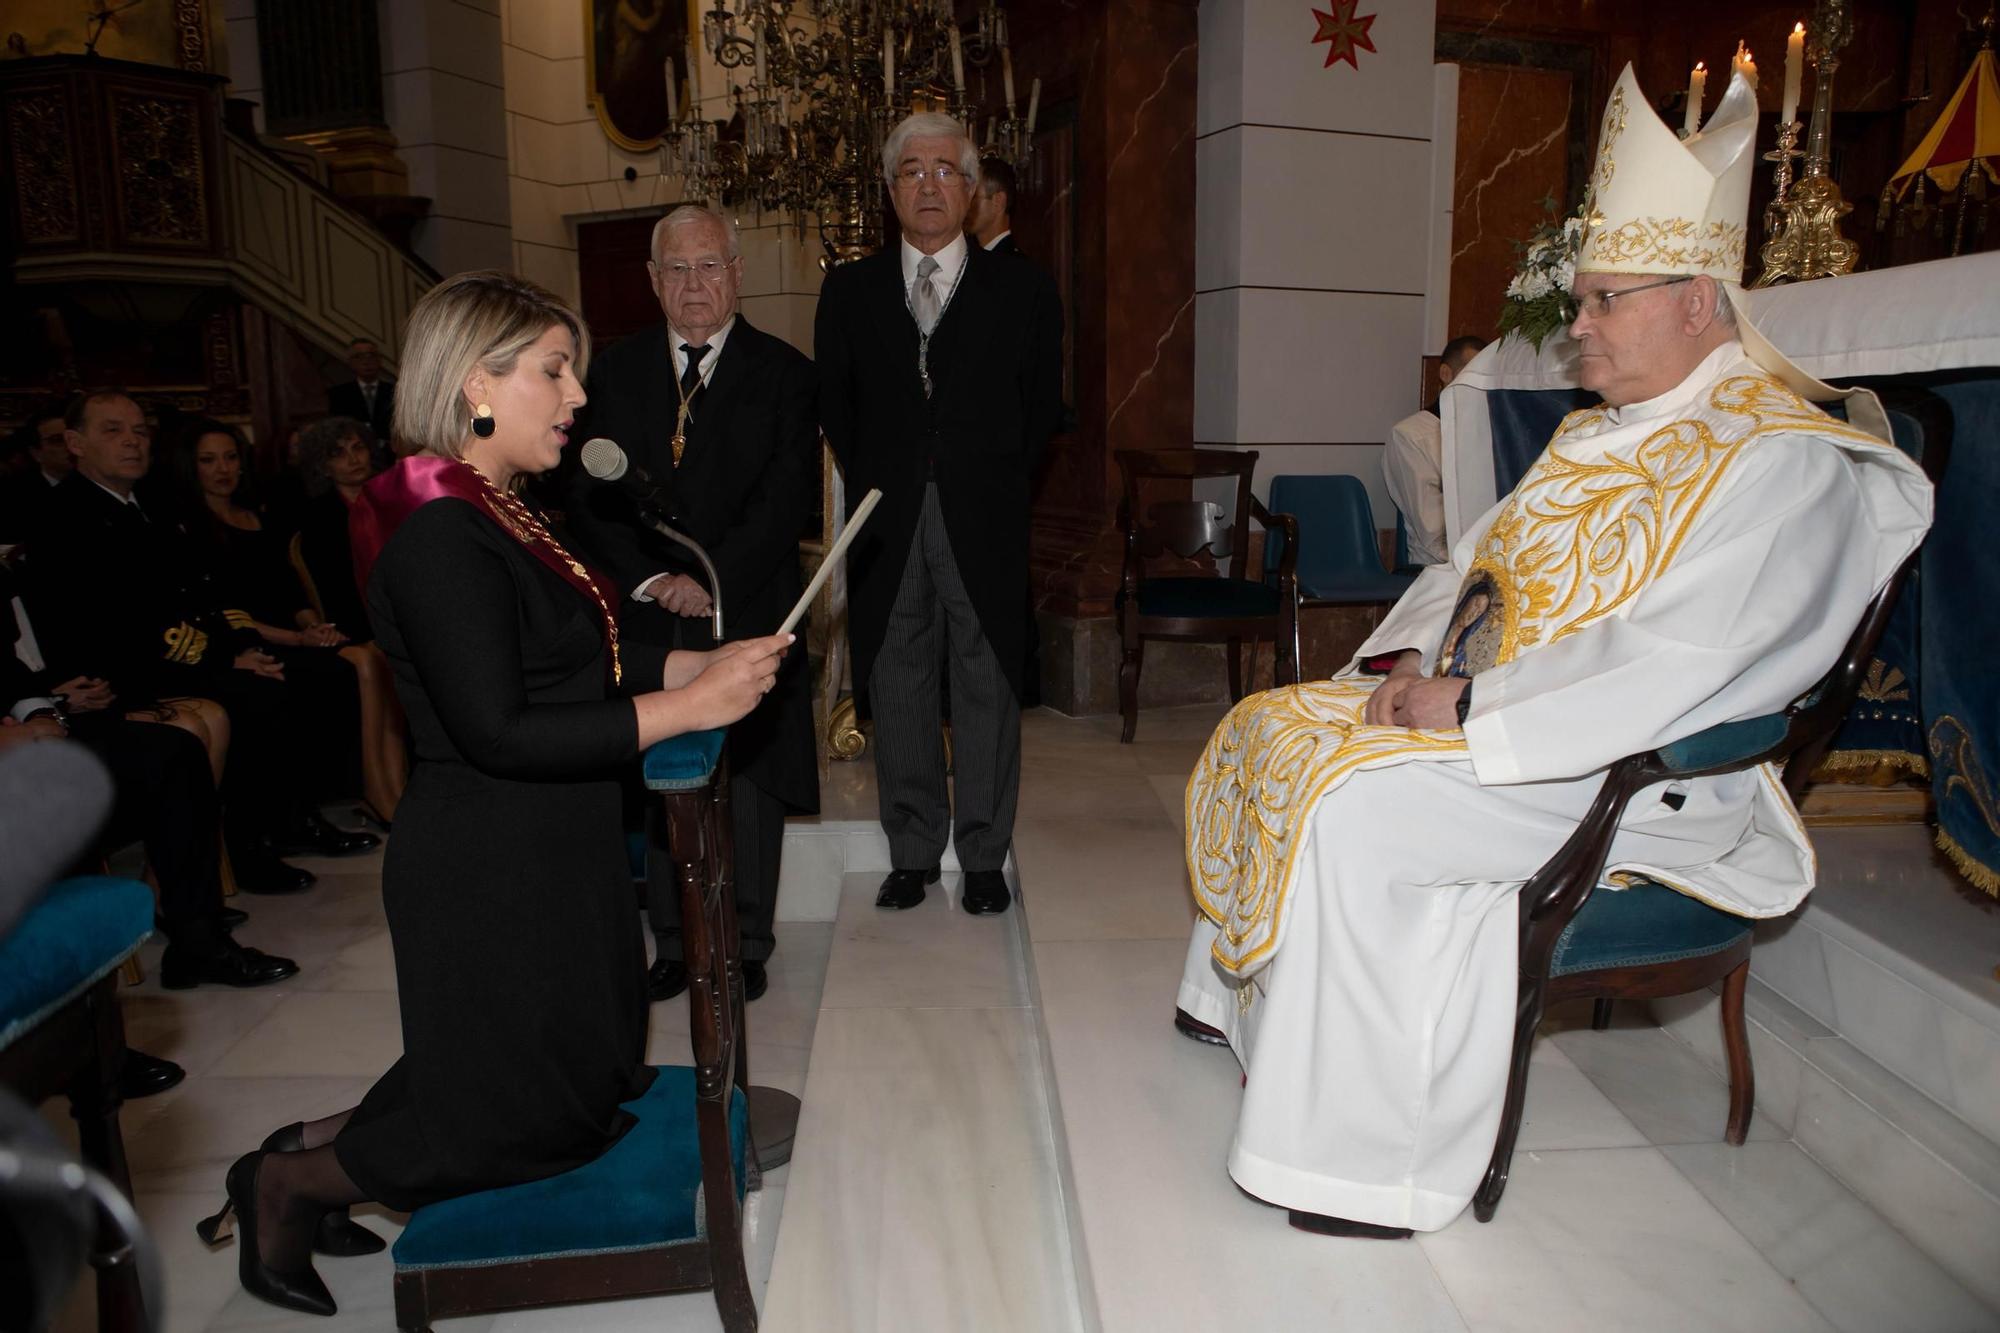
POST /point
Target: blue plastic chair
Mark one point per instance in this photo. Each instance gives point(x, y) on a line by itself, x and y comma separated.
point(661, 1211)
point(1340, 561)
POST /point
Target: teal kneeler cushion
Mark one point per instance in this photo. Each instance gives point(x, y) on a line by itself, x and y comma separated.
point(80, 931)
point(1646, 924)
point(684, 762)
point(645, 1193)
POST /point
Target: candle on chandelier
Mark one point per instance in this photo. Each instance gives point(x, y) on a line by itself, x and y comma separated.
point(1007, 78)
point(673, 105)
point(1697, 89)
point(694, 79)
point(1795, 73)
point(758, 33)
point(888, 61)
point(1034, 102)
point(957, 61)
point(1743, 64)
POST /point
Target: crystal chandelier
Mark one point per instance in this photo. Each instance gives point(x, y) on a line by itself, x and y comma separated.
point(814, 88)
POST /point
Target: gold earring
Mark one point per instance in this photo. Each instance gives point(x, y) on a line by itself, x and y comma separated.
point(482, 421)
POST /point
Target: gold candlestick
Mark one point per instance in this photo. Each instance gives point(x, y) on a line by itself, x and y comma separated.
point(1806, 242)
point(1784, 155)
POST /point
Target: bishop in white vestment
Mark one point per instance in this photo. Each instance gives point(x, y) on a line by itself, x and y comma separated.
point(1695, 551)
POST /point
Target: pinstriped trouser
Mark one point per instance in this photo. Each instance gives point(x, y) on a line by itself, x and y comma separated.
point(932, 613)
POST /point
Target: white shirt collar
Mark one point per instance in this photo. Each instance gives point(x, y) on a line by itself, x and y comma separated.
point(715, 340)
point(1681, 394)
point(53, 481)
point(132, 500)
point(949, 260)
point(1001, 237)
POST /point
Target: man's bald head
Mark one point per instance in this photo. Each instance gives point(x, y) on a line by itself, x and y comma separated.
point(1640, 335)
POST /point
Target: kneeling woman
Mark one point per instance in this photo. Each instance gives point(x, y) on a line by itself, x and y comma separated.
point(519, 960)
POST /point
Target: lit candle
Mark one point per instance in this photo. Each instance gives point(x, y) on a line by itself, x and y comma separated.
point(957, 61)
point(673, 105)
point(1795, 71)
point(1007, 78)
point(1744, 64)
point(1034, 101)
point(1697, 89)
point(888, 61)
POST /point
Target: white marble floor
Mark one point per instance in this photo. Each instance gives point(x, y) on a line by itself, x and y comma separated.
point(1004, 1133)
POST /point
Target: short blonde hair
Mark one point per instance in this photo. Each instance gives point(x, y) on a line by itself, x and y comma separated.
point(482, 320)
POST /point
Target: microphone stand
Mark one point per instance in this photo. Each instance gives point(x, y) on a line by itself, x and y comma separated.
point(659, 525)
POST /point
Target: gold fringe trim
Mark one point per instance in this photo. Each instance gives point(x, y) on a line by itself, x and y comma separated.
point(1979, 875)
point(1871, 768)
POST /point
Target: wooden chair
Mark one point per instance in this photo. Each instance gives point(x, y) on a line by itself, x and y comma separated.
point(660, 1212)
point(61, 1034)
point(1648, 941)
point(1228, 606)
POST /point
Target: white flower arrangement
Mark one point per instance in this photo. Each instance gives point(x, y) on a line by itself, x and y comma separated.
point(1537, 302)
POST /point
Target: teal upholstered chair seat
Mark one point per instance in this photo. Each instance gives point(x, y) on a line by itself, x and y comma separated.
point(76, 936)
point(645, 1193)
point(1206, 598)
point(684, 762)
point(1641, 926)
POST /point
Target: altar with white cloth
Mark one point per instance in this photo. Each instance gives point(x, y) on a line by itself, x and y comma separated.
point(1929, 332)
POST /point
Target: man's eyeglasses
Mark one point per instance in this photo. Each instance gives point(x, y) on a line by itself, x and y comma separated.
point(708, 270)
point(1598, 304)
point(945, 175)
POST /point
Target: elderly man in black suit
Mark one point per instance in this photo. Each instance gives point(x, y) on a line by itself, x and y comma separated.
point(940, 383)
point(370, 398)
point(720, 414)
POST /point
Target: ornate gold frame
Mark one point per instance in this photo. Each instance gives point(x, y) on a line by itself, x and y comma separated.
point(596, 103)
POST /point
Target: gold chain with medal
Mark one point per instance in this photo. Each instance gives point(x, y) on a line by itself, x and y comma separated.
point(528, 530)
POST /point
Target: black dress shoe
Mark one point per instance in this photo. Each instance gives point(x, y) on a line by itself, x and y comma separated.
point(311, 835)
point(984, 892)
point(230, 964)
point(667, 978)
point(904, 889)
point(257, 871)
point(1322, 1225)
point(338, 1236)
point(756, 980)
point(303, 1291)
point(1190, 1026)
point(143, 1075)
point(229, 918)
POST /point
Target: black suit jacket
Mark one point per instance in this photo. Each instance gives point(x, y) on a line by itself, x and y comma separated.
point(745, 489)
point(1006, 245)
point(345, 400)
point(996, 363)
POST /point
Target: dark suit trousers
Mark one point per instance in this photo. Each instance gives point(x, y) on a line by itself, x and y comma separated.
point(166, 800)
point(757, 822)
point(933, 621)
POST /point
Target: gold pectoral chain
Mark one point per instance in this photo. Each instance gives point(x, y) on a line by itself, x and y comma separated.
point(528, 529)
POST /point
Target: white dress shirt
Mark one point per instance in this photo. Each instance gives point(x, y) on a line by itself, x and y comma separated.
point(1413, 465)
point(997, 239)
point(950, 261)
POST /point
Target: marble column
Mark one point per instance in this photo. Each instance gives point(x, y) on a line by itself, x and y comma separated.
point(1314, 236)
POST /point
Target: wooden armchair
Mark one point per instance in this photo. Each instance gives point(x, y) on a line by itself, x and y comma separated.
point(1647, 941)
point(1227, 606)
point(660, 1212)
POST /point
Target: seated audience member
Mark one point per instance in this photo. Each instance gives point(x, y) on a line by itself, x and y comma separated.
point(165, 800)
point(117, 593)
point(1413, 464)
point(44, 462)
point(336, 459)
point(258, 585)
point(1693, 552)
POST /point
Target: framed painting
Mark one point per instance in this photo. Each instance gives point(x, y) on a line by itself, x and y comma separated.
point(628, 46)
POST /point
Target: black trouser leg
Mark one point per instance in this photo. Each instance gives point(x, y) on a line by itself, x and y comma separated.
point(166, 799)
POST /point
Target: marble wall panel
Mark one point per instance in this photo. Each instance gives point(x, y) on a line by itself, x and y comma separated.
point(1513, 129)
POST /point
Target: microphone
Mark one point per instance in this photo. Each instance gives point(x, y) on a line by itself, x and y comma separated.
point(605, 461)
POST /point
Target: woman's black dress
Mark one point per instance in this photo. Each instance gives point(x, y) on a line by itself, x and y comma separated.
point(329, 558)
point(519, 957)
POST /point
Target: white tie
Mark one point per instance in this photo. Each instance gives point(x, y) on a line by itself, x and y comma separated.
point(924, 297)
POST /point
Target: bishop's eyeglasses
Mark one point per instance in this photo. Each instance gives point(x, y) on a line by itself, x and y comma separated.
point(1598, 304)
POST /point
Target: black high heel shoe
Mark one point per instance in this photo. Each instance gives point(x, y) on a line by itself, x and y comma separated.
point(338, 1235)
point(302, 1291)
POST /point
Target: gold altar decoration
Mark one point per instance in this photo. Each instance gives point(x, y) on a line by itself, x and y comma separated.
point(815, 87)
point(1806, 241)
point(1961, 153)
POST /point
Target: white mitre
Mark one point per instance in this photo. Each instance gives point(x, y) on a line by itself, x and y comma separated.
point(1660, 205)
